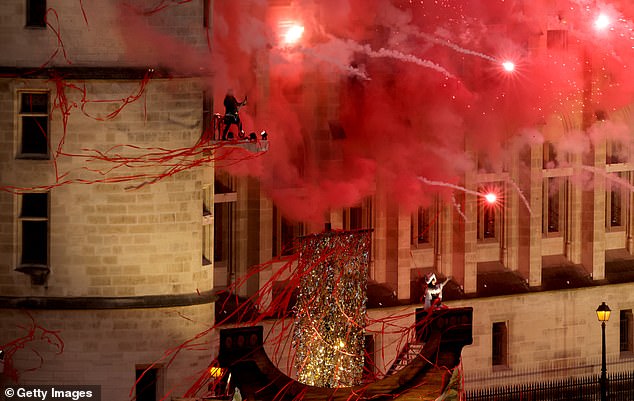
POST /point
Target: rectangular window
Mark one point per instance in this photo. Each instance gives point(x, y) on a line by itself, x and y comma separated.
point(353, 218)
point(34, 229)
point(499, 346)
point(614, 152)
point(206, 13)
point(225, 198)
point(488, 219)
point(147, 385)
point(284, 234)
point(553, 204)
point(627, 331)
point(36, 13)
point(549, 155)
point(358, 217)
point(422, 227)
point(615, 202)
point(207, 244)
point(208, 129)
point(33, 119)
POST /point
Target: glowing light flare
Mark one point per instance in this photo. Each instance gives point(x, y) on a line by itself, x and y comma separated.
point(508, 66)
point(292, 33)
point(491, 198)
point(602, 22)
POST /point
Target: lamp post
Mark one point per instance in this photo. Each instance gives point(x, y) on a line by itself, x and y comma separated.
point(603, 313)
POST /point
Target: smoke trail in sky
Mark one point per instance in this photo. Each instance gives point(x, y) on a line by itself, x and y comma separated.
point(453, 46)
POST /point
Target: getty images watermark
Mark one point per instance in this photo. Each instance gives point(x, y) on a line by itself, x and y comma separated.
point(46, 392)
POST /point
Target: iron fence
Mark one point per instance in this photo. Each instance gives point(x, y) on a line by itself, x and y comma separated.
point(586, 388)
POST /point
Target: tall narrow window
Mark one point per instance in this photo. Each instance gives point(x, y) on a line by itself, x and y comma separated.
point(627, 331)
point(488, 218)
point(552, 203)
point(36, 13)
point(206, 13)
point(284, 234)
point(207, 244)
point(225, 198)
point(208, 128)
point(34, 228)
point(353, 218)
point(422, 227)
point(499, 346)
point(549, 155)
point(615, 203)
point(33, 125)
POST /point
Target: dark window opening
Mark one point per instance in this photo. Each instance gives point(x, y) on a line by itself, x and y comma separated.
point(626, 331)
point(146, 386)
point(206, 13)
point(34, 227)
point(284, 234)
point(615, 208)
point(499, 346)
point(36, 13)
point(353, 218)
point(34, 125)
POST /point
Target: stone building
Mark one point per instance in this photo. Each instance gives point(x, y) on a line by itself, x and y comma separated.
point(103, 272)
point(122, 265)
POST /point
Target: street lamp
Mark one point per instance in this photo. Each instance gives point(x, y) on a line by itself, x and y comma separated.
point(603, 313)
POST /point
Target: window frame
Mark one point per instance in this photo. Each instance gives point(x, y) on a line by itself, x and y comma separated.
point(626, 333)
point(21, 152)
point(40, 21)
point(616, 191)
point(21, 218)
point(500, 345)
point(423, 226)
point(550, 197)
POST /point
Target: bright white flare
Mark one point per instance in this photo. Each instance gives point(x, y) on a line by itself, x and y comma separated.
point(602, 22)
point(293, 34)
point(491, 197)
point(508, 66)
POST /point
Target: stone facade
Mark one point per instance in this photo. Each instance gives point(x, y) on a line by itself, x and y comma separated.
point(122, 281)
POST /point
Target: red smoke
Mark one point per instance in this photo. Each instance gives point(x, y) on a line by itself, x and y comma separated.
point(380, 93)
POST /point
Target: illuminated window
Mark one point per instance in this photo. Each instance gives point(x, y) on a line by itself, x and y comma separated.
point(489, 216)
point(33, 118)
point(36, 13)
point(499, 344)
point(34, 229)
